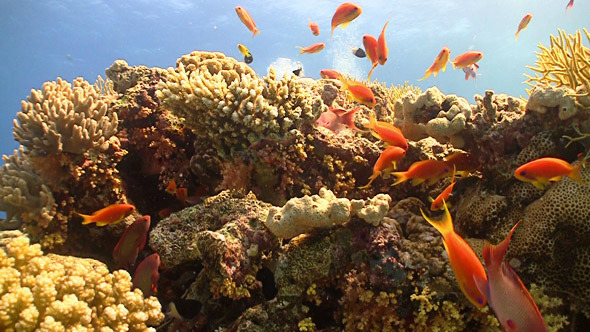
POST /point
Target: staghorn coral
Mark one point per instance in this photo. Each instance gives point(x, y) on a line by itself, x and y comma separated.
point(60, 118)
point(566, 62)
point(64, 293)
point(223, 101)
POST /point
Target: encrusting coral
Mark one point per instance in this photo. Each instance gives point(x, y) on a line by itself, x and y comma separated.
point(64, 293)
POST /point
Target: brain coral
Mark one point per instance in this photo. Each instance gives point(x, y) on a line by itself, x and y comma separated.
point(60, 118)
point(64, 293)
point(224, 101)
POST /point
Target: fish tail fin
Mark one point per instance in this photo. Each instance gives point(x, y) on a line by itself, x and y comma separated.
point(371, 179)
point(87, 218)
point(255, 32)
point(494, 254)
point(516, 37)
point(310, 22)
point(445, 225)
point(399, 177)
point(575, 174)
point(371, 72)
point(301, 50)
point(454, 64)
point(426, 75)
point(344, 83)
point(466, 76)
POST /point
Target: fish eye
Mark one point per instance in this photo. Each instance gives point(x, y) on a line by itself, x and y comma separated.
point(480, 301)
point(523, 173)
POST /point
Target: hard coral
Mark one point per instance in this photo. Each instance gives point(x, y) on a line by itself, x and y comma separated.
point(64, 293)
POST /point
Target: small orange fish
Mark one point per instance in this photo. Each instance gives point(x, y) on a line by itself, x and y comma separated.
point(370, 44)
point(420, 171)
point(464, 262)
point(466, 59)
point(247, 20)
point(439, 63)
point(385, 163)
point(569, 5)
point(146, 275)
point(437, 203)
point(315, 29)
point(344, 14)
point(387, 132)
point(358, 92)
point(131, 243)
point(523, 23)
point(338, 119)
point(463, 162)
point(506, 294)
point(540, 172)
point(382, 49)
point(315, 48)
point(330, 74)
point(171, 188)
point(112, 214)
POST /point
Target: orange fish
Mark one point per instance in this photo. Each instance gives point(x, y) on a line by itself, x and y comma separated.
point(171, 188)
point(112, 214)
point(370, 44)
point(315, 29)
point(330, 74)
point(569, 5)
point(315, 48)
point(420, 171)
point(358, 92)
point(464, 262)
point(463, 162)
point(437, 203)
point(439, 63)
point(146, 275)
point(506, 294)
point(386, 162)
point(387, 132)
point(466, 59)
point(247, 20)
point(338, 119)
point(523, 23)
point(344, 14)
point(131, 243)
point(540, 172)
point(382, 49)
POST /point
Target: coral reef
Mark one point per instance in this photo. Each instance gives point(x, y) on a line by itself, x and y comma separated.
point(63, 293)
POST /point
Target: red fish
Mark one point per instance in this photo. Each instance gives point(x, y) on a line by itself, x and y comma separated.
point(523, 23)
point(464, 262)
point(112, 214)
point(358, 92)
point(382, 49)
point(344, 14)
point(315, 29)
point(315, 48)
point(330, 74)
point(437, 203)
point(466, 59)
point(569, 5)
point(171, 188)
point(247, 20)
point(146, 275)
point(387, 132)
point(463, 162)
point(506, 294)
point(420, 171)
point(338, 119)
point(131, 243)
point(540, 172)
point(386, 162)
point(439, 63)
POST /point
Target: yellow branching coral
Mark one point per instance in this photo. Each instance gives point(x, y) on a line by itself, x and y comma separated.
point(64, 293)
point(224, 101)
point(60, 118)
point(566, 62)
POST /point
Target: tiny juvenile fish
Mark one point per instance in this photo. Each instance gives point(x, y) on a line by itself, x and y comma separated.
point(523, 23)
point(358, 92)
point(315, 29)
point(370, 44)
point(315, 48)
point(385, 163)
point(506, 294)
point(440, 62)
point(382, 49)
point(338, 119)
point(344, 14)
point(464, 262)
point(358, 52)
point(111, 214)
point(386, 132)
point(421, 171)
point(131, 243)
point(247, 20)
point(246, 53)
point(540, 172)
point(330, 74)
point(146, 275)
point(466, 59)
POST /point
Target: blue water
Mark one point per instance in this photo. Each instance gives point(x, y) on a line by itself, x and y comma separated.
point(40, 40)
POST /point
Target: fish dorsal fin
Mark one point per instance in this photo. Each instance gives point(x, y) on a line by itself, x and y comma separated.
point(494, 255)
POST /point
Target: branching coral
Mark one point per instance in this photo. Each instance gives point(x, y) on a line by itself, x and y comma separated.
point(64, 293)
point(60, 118)
point(566, 62)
